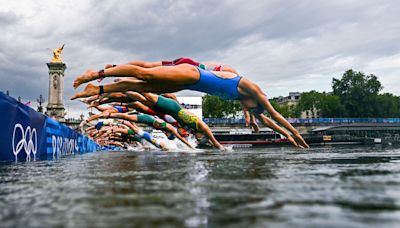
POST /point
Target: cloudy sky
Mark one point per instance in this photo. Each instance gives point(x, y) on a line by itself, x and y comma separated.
point(284, 46)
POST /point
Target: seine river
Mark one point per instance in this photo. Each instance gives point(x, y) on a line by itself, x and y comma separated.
point(341, 186)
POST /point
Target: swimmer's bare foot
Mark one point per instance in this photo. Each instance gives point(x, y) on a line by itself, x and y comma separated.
point(104, 114)
point(88, 76)
point(89, 90)
point(103, 100)
point(84, 101)
point(301, 141)
point(108, 66)
point(92, 98)
point(82, 124)
point(93, 104)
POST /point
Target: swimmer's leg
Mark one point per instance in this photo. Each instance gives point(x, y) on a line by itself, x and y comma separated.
point(124, 116)
point(89, 90)
point(181, 75)
point(129, 85)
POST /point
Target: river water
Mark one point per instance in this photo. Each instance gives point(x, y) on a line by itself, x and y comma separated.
point(344, 186)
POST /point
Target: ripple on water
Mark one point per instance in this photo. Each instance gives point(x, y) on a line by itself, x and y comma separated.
point(327, 186)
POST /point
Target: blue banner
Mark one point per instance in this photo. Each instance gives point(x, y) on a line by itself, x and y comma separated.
point(62, 140)
point(26, 134)
point(308, 120)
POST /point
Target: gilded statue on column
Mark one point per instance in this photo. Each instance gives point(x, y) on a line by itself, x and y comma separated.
point(57, 54)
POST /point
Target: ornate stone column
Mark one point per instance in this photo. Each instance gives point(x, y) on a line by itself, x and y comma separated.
point(55, 106)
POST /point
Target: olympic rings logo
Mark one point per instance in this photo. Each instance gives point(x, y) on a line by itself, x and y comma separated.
point(63, 146)
point(28, 141)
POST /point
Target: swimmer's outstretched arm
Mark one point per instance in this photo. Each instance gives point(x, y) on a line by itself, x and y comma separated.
point(144, 135)
point(175, 132)
point(257, 94)
point(269, 123)
point(280, 119)
point(204, 127)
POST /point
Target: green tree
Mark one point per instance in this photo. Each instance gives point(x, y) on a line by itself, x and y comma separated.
point(358, 93)
point(212, 107)
point(331, 106)
point(215, 107)
point(327, 105)
point(310, 101)
point(388, 106)
point(285, 109)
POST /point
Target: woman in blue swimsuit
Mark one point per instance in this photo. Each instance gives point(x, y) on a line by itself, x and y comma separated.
point(165, 79)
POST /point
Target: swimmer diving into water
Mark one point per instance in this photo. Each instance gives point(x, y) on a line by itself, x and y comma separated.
point(165, 79)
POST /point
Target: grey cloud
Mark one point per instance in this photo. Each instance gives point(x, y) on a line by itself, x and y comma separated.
point(170, 28)
point(8, 19)
point(283, 46)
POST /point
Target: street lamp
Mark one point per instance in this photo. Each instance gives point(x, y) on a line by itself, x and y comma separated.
point(40, 100)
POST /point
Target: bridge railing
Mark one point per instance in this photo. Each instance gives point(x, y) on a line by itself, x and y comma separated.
point(224, 121)
point(343, 120)
point(234, 121)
